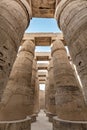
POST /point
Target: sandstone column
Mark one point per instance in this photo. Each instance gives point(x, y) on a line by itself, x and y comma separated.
point(33, 87)
point(47, 94)
point(52, 91)
point(69, 99)
point(14, 19)
point(36, 104)
point(72, 19)
point(16, 100)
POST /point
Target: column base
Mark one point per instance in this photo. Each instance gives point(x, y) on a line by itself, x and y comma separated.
point(16, 125)
point(59, 124)
point(50, 116)
point(33, 118)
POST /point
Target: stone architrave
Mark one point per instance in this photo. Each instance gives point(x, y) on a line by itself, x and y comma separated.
point(72, 19)
point(16, 102)
point(14, 19)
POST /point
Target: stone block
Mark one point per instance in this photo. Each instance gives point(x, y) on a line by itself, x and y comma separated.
point(59, 124)
point(16, 125)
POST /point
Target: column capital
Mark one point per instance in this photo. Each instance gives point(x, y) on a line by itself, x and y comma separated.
point(57, 45)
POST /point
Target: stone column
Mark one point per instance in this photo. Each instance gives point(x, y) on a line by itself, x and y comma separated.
point(14, 19)
point(16, 101)
point(47, 96)
point(72, 20)
point(52, 91)
point(69, 99)
point(36, 104)
point(33, 87)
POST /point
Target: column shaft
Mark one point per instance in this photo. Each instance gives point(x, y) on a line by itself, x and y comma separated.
point(52, 91)
point(33, 94)
point(14, 18)
point(69, 98)
point(47, 95)
point(36, 104)
point(16, 101)
point(72, 19)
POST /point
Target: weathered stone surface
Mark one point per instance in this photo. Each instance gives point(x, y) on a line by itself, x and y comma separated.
point(42, 39)
point(52, 90)
point(72, 19)
point(36, 103)
point(59, 124)
point(16, 125)
point(47, 95)
point(50, 116)
point(14, 18)
point(43, 8)
point(69, 98)
point(17, 102)
point(33, 81)
point(33, 118)
point(33, 93)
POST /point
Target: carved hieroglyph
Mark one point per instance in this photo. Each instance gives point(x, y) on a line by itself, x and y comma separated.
point(14, 19)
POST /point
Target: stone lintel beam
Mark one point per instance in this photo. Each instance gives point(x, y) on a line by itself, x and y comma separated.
point(43, 39)
point(42, 74)
point(42, 56)
point(42, 66)
point(42, 78)
point(44, 9)
point(42, 82)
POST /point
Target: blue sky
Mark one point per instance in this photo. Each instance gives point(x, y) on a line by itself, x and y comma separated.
point(42, 49)
point(43, 25)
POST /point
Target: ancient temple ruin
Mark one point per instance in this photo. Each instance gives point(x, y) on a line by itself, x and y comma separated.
point(64, 100)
